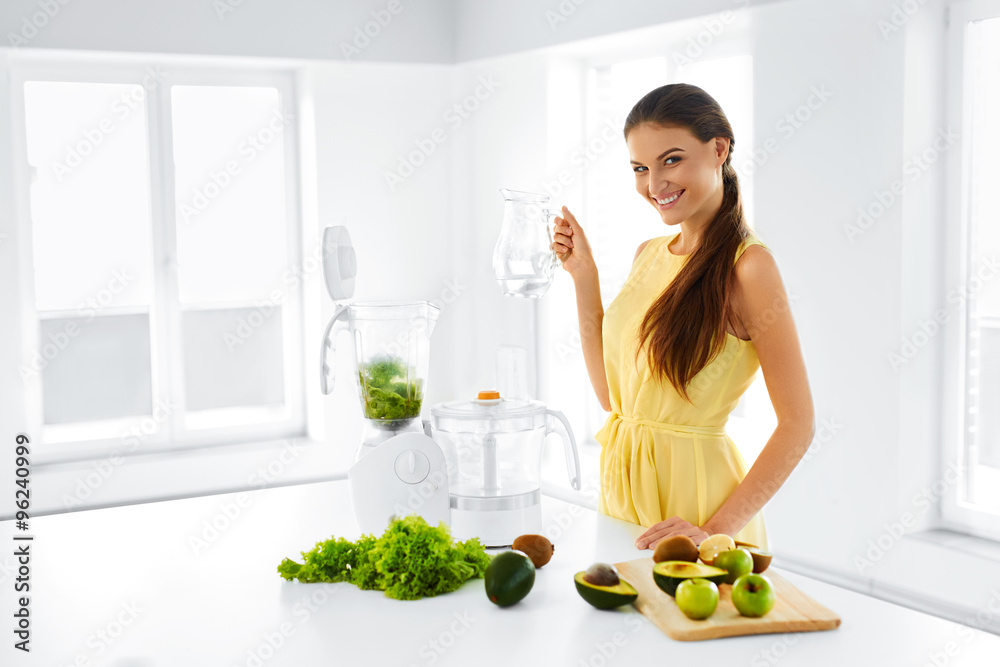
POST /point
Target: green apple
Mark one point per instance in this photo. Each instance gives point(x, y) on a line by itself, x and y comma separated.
point(697, 598)
point(753, 595)
point(735, 561)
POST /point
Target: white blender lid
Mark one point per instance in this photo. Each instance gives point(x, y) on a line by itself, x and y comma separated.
point(340, 263)
point(493, 409)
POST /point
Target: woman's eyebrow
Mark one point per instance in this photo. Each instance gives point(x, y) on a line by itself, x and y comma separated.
point(662, 155)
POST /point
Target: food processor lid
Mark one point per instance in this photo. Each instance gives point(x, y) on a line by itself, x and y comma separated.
point(340, 263)
point(489, 405)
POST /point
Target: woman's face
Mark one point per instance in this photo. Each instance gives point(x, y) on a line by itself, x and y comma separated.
point(678, 175)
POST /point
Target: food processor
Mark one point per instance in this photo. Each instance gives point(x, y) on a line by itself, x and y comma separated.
point(493, 449)
point(397, 469)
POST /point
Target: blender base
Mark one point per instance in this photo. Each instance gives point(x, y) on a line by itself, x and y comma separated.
point(404, 475)
point(496, 528)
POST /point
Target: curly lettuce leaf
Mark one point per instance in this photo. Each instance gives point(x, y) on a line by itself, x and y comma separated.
point(411, 560)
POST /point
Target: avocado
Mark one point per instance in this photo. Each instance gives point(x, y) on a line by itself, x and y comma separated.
point(509, 577)
point(670, 573)
point(605, 597)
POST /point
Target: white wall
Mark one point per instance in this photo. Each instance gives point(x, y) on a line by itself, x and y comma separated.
point(878, 438)
point(488, 29)
point(367, 116)
point(418, 31)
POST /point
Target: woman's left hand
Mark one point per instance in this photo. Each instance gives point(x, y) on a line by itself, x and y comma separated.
point(669, 528)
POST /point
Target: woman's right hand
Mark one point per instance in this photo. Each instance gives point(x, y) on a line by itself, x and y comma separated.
point(571, 245)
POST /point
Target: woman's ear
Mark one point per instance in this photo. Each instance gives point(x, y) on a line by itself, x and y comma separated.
point(721, 150)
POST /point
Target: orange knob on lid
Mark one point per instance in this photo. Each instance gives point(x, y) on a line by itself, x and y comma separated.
point(488, 395)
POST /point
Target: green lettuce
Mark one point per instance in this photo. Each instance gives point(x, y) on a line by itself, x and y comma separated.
point(411, 560)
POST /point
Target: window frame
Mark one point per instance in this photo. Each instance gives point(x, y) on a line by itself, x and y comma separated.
point(169, 433)
point(956, 512)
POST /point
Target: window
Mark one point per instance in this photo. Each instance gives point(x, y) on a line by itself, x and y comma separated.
point(617, 221)
point(160, 207)
point(972, 392)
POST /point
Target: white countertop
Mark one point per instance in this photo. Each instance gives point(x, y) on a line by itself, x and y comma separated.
point(125, 587)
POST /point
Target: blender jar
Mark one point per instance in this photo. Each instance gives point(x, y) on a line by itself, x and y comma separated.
point(391, 350)
point(493, 450)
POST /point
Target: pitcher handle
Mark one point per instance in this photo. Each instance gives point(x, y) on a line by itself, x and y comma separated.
point(550, 227)
point(572, 456)
point(329, 342)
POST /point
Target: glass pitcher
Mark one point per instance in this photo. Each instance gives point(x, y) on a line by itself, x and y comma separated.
point(524, 262)
point(391, 350)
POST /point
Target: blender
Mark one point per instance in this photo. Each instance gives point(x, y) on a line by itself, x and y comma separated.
point(493, 448)
point(397, 469)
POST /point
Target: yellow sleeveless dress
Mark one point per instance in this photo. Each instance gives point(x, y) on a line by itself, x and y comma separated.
point(660, 455)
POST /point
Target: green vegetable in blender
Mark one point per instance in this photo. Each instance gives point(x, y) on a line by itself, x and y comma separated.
point(386, 393)
point(411, 560)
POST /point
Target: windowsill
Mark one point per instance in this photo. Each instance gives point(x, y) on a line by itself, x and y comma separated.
point(906, 575)
point(143, 478)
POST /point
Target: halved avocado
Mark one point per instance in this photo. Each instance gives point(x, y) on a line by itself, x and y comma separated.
point(605, 597)
point(670, 573)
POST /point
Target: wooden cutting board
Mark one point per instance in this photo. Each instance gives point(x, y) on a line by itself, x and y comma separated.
point(793, 611)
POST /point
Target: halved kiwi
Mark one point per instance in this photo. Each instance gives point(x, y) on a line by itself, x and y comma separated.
point(677, 547)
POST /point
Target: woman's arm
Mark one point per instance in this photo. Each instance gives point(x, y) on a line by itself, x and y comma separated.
point(765, 311)
point(762, 306)
point(573, 251)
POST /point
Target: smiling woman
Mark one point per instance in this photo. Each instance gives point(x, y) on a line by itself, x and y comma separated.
point(683, 339)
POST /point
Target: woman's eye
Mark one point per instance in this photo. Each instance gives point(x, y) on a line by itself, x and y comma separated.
point(639, 169)
point(667, 161)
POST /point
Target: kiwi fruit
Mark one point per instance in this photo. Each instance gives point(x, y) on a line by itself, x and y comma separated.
point(538, 548)
point(601, 574)
point(761, 558)
point(678, 547)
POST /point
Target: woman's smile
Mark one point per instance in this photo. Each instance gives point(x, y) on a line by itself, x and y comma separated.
point(667, 201)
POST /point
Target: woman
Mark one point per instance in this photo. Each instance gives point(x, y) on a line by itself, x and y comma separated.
point(701, 310)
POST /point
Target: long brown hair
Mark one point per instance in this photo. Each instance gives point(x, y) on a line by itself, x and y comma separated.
point(685, 328)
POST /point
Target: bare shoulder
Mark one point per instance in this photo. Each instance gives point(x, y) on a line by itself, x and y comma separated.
point(756, 265)
point(759, 293)
point(642, 247)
